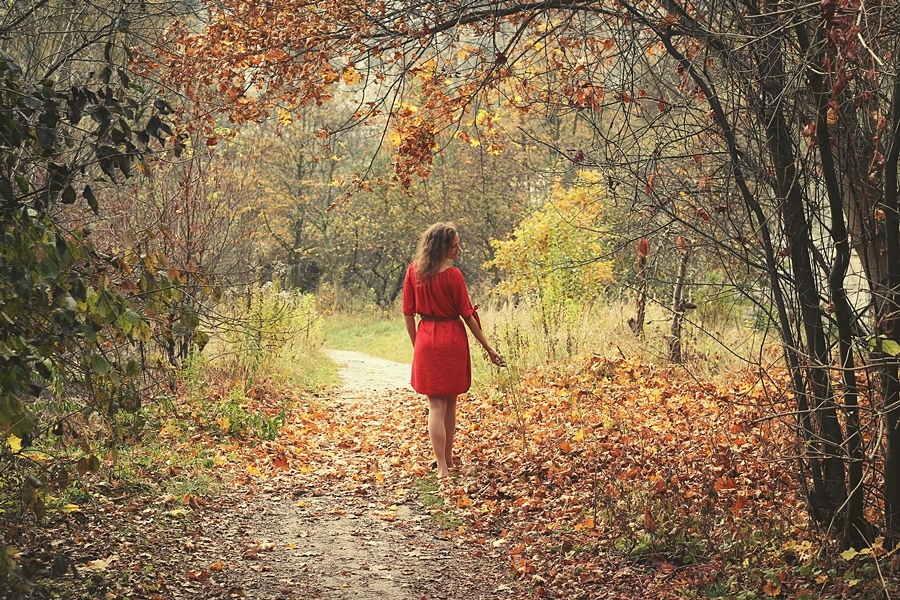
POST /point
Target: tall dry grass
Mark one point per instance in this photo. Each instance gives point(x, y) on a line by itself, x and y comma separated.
point(531, 337)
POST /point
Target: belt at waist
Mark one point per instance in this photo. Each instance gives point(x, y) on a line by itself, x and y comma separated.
point(433, 318)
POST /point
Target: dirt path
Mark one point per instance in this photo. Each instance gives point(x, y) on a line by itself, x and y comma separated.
point(363, 376)
point(319, 535)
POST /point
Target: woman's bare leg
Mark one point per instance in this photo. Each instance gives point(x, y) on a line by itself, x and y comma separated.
point(437, 431)
point(450, 430)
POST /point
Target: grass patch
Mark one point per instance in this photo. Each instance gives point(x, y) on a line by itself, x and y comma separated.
point(428, 496)
point(312, 371)
point(427, 489)
point(373, 334)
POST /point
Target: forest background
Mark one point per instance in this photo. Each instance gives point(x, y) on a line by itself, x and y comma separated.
point(681, 221)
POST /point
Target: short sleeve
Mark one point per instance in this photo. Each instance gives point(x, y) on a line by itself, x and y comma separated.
point(409, 292)
point(461, 295)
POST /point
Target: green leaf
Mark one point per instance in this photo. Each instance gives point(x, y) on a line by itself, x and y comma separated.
point(105, 307)
point(99, 364)
point(141, 332)
point(68, 195)
point(201, 339)
point(133, 368)
point(88, 194)
point(890, 347)
point(90, 334)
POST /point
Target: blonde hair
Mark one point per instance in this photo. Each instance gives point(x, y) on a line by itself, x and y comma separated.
point(432, 250)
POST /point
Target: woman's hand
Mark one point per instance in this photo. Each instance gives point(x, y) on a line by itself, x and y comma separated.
point(495, 357)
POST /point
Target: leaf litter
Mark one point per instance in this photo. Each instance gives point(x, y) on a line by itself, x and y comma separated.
point(616, 480)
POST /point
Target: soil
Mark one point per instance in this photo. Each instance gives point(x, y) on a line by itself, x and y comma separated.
point(309, 535)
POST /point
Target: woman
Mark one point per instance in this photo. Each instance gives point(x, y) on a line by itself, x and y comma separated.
point(441, 368)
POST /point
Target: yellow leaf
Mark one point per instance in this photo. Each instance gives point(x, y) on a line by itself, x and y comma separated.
point(15, 443)
point(252, 470)
point(224, 424)
point(579, 436)
point(285, 117)
point(849, 554)
point(70, 508)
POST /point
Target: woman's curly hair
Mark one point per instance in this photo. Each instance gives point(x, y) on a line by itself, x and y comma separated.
point(432, 250)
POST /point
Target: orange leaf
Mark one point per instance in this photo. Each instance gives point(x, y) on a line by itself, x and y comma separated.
point(643, 247)
point(586, 524)
point(463, 501)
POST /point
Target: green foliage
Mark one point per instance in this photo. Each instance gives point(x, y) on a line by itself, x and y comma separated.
point(556, 252)
point(61, 312)
point(357, 247)
point(74, 320)
point(268, 325)
point(232, 418)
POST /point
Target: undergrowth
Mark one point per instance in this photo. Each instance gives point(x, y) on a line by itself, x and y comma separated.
point(190, 440)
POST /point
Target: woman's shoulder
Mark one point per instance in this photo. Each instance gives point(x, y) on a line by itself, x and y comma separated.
point(455, 274)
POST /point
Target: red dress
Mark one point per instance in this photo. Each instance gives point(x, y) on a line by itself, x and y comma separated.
point(441, 363)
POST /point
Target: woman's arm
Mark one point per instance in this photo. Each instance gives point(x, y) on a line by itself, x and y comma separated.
point(472, 322)
point(411, 328)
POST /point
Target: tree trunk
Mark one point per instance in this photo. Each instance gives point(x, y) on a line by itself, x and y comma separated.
point(855, 528)
point(780, 143)
point(679, 304)
point(888, 320)
point(637, 324)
